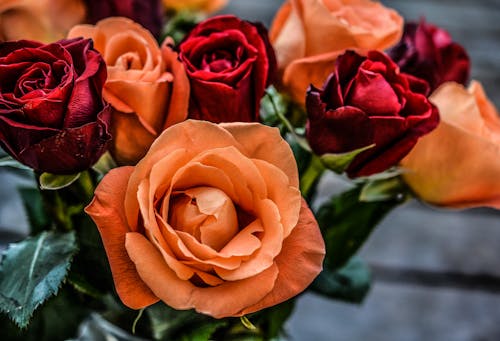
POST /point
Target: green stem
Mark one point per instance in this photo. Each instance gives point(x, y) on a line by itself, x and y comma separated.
point(139, 315)
point(311, 176)
point(300, 140)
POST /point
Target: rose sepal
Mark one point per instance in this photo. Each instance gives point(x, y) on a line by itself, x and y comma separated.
point(338, 162)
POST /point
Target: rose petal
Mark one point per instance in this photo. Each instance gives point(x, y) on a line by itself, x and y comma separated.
point(129, 145)
point(205, 101)
point(446, 167)
point(255, 140)
point(306, 71)
point(246, 179)
point(392, 143)
point(147, 99)
point(306, 247)
point(227, 299)
point(373, 94)
point(364, 24)
point(245, 242)
point(198, 135)
point(206, 6)
point(272, 239)
point(460, 177)
point(77, 149)
point(192, 252)
point(291, 43)
point(179, 91)
point(22, 135)
point(286, 197)
point(108, 214)
point(488, 111)
point(332, 131)
point(458, 107)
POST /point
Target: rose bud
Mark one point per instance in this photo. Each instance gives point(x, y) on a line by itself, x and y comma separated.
point(427, 51)
point(458, 164)
point(211, 219)
point(42, 20)
point(148, 13)
point(229, 63)
point(52, 115)
point(206, 6)
point(308, 35)
point(368, 101)
point(147, 86)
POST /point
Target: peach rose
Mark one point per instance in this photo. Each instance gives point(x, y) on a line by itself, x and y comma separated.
point(207, 6)
point(147, 86)
point(309, 35)
point(211, 219)
point(41, 20)
point(458, 164)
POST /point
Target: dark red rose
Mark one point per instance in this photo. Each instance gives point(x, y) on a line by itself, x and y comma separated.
point(148, 13)
point(52, 116)
point(229, 63)
point(368, 101)
point(427, 51)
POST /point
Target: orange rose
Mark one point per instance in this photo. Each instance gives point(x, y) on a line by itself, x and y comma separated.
point(458, 164)
point(211, 219)
point(147, 86)
point(207, 6)
point(42, 20)
point(309, 35)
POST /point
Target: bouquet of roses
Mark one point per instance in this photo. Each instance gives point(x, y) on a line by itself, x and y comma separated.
point(176, 158)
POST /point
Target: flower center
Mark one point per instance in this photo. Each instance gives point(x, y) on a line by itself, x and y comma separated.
point(218, 61)
point(206, 213)
point(129, 61)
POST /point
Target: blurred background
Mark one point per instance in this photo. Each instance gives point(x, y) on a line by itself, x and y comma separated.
point(412, 237)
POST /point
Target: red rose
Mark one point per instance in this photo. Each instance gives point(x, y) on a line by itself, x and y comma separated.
point(427, 51)
point(52, 116)
point(367, 101)
point(148, 13)
point(229, 63)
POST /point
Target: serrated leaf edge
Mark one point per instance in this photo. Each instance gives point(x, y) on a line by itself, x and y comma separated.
point(56, 291)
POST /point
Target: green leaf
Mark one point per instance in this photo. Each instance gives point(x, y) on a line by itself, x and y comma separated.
point(8, 161)
point(50, 181)
point(105, 164)
point(388, 174)
point(57, 319)
point(171, 324)
point(34, 207)
point(346, 222)
point(33, 270)
point(339, 162)
point(350, 283)
point(383, 190)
